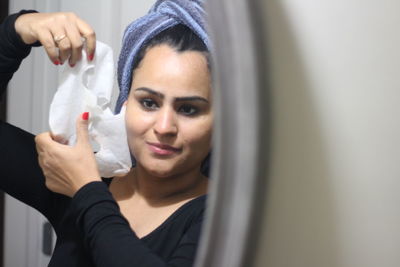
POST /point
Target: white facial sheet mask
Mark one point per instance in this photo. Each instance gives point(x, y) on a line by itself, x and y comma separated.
point(87, 87)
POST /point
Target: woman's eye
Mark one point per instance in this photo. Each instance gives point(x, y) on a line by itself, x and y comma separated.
point(188, 110)
point(148, 103)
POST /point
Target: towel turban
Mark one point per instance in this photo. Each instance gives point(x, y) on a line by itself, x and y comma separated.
point(163, 15)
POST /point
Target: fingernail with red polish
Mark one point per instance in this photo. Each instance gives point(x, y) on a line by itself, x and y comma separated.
point(91, 56)
point(72, 65)
point(56, 62)
point(85, 116)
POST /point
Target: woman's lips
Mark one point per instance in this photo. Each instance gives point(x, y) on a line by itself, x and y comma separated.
point(162, 149)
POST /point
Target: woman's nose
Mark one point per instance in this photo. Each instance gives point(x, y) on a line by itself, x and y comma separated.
point(166, 122)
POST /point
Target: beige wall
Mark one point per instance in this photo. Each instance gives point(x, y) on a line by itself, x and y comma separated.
point(333, 189)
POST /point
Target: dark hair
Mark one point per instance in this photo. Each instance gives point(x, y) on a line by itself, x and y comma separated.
point(179, 37)
point(182, 39)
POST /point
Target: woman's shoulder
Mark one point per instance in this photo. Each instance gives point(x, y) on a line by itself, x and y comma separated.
point(189, 215)
point(191, 212)
point(194, 208)
point(181, 231)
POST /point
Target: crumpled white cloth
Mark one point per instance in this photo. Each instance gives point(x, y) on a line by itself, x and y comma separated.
point(87, 87)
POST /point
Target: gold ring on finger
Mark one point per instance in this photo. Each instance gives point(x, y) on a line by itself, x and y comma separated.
point(59, 38)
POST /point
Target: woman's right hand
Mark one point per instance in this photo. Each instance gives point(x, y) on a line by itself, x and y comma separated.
point(62, 35)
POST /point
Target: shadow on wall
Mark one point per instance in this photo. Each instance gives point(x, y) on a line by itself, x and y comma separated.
point(299, 214)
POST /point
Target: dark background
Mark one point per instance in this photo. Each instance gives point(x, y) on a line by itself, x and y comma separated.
point(3, 14)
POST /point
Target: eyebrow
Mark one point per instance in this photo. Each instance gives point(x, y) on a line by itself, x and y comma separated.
point(179, 99)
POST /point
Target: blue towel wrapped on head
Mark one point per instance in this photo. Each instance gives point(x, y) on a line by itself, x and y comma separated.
point(163, 15)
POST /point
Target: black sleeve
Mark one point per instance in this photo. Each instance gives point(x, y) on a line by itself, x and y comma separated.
point(12, 49)
point(110, 239)
point(21, 176)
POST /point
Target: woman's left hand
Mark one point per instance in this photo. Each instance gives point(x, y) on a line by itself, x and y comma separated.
point(67, 168)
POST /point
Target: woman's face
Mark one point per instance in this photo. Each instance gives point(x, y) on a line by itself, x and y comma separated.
point(168, 113)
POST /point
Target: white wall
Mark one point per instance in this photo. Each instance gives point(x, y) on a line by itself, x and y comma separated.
point(29, 96)
point(333, 188)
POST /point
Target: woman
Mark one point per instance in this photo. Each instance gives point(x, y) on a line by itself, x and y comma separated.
point(153, 215)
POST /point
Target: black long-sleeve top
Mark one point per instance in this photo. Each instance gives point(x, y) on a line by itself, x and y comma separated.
point(90, 229)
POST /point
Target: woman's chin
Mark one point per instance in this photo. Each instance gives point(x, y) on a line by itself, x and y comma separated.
point(160, 169)
point(163, 167)
point(161, 173)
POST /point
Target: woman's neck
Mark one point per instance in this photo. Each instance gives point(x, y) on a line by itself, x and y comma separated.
point(166, 190)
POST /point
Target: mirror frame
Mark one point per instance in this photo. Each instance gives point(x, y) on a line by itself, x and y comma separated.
point(241, 134)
